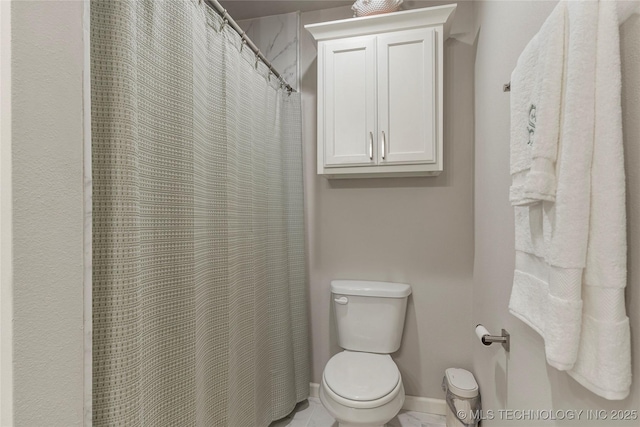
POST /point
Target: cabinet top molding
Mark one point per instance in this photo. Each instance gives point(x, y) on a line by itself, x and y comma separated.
point(404, 20)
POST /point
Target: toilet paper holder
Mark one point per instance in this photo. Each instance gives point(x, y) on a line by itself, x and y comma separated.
point(487, 339)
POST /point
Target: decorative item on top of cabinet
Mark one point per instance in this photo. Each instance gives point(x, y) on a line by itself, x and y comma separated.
point(374, 7)
point(380, 93)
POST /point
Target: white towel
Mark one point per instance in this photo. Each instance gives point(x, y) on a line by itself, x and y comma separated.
point(536, 92)
point(574, 249)
point(551, 237)
point(604, 357)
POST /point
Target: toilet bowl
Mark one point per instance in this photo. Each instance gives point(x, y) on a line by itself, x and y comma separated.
point(362, 386)
point(362, 389)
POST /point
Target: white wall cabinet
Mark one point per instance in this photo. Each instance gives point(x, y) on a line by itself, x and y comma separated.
point(380, 94)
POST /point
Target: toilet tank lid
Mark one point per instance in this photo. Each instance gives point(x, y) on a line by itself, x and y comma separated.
point(370, 289)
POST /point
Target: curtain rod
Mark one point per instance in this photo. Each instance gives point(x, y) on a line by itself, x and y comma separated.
point(223, 12)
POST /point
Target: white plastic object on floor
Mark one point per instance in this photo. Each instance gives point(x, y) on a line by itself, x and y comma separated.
point(462, 396)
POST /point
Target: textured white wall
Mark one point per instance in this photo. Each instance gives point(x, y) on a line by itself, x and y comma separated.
point(47, 144)
point(413, 230)
point(523, 380)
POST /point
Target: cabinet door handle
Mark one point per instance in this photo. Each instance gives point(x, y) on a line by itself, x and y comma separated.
point(384, 143)
point(370, 145)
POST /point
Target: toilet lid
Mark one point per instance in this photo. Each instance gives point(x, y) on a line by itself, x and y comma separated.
point(361, 376)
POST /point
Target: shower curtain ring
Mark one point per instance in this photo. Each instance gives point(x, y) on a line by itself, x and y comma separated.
point(224, 19)
point(244, 41)
point(256, 63)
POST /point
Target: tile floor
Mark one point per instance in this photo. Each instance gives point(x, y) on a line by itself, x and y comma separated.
point(311, 413)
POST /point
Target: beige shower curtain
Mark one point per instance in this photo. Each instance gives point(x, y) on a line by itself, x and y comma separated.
point(199, 293)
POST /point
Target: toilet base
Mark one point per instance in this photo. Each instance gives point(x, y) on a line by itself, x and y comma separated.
point(362, 417)
point(359, 425)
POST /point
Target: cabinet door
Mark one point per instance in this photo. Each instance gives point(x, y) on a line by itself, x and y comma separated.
point(407, 97)
point(349, 102)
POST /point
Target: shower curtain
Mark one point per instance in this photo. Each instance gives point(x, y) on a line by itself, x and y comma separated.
point(199, 293)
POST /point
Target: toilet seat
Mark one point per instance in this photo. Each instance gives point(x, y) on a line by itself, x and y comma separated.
point(361, 380)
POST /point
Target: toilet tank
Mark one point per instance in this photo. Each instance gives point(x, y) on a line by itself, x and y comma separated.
point(369, 315)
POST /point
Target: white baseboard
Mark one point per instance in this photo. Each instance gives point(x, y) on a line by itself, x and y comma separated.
point(314, 390)
point(427, 405)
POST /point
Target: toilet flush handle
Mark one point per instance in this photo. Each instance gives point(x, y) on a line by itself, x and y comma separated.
point(341, 300)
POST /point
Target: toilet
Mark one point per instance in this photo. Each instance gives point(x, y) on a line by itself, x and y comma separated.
point(362, 386)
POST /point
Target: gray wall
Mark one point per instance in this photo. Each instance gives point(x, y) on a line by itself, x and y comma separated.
point(413, 230)
point(523, 380)
point(47, 141)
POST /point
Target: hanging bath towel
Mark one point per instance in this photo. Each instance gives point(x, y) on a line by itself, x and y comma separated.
point(536, 98)
point(571, 249)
